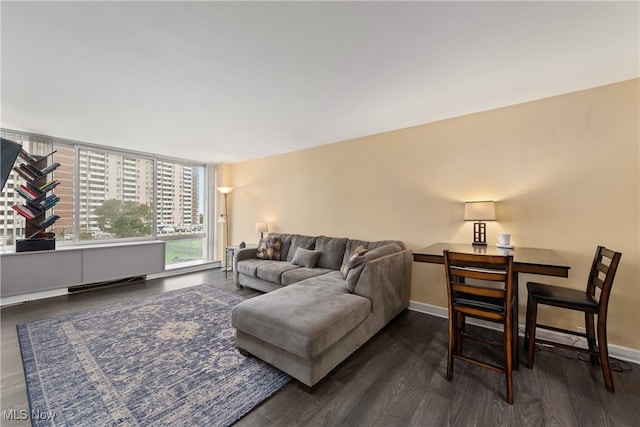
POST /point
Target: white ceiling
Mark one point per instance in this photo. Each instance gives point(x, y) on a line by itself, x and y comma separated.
point(226, 82)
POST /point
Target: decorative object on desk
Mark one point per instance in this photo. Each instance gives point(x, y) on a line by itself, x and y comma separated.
point(478, 212)
point(159, 360)
point(261, 227)
point(38, 199)
point(242, 245)
point(224, 216)
point(504, 241)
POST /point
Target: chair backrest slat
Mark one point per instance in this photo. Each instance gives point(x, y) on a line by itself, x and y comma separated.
point(603, 268)
point(607, 270)
point(490, 275)
point(479, 290)
point(607, 252)
point(598, 282)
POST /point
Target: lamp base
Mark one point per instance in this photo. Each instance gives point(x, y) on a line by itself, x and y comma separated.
point(479, 234)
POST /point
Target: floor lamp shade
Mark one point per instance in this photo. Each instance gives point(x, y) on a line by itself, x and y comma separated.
point(478, 212)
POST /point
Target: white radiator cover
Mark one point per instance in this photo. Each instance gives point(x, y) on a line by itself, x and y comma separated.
point(29, 272)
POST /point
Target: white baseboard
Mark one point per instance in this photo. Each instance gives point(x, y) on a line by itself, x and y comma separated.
point(32, 296)
point(615, 351)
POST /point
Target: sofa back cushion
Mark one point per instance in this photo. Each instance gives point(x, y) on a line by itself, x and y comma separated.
point(352, 245)
point(331, 251)
point(375, 245)
point(358, 264)
point(299, 241)
point(286, 243)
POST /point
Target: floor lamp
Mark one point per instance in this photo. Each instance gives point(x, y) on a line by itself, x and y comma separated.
point(224, 217)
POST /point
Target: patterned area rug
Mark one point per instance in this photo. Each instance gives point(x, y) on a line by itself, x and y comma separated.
point(169, 359)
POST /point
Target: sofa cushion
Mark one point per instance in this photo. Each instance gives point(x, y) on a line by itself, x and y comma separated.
point(303, 319)
point(298, 241)
point(376, 245)
point(286, 243)
point(331, 279)
point(272, 271)
point(305, 258)
point(299, 274)
point(250, 266)
point(269, 248)
point(361, 261)
point(359, 251)
point(331, 251)
point(353, 244)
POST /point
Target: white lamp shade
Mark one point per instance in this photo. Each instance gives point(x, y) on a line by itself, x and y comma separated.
point(225, 190)
point(221, 218)
point(261, 227)
point(480, 211)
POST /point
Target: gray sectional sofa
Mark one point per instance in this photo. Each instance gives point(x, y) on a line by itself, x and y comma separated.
point(325, 298)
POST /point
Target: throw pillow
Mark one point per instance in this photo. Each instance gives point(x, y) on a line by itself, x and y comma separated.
point(359, 251)
point(305, 258)
point(269, 248)
point(299, 241)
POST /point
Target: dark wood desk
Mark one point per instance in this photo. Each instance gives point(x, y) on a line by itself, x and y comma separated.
point(525, 260)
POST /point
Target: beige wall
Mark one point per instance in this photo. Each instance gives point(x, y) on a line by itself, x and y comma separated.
point(564, 172)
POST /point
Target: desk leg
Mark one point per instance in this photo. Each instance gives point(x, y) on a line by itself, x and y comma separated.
point(515, 348)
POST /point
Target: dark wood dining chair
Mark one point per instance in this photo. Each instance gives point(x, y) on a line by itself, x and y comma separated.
point(481, 286)
point(593, 301)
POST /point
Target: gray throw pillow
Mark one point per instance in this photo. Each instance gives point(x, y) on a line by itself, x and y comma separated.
point(269, 248)
point(299, 241)
point(305, 258)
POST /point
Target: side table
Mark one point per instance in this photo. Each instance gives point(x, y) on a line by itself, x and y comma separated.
point(229, 253)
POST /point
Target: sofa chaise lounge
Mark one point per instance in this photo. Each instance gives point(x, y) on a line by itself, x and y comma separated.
point(325, 298)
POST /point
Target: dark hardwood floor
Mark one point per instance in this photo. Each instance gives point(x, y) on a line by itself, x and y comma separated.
point(396, 379)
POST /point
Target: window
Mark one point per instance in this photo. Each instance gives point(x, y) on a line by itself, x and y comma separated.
point(108, 195)
point(179, 214)
point(109, 205)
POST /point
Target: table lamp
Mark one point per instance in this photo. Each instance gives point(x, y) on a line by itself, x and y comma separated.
point(261, 227)
point(478, 212)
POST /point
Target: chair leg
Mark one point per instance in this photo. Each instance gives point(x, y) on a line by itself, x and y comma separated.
point(508, 358)
point(451, 345)
point(525, 344)
point(591, 336)
point(604, 354)
point(530, 329)
point(515, 337)
point(461, 324)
